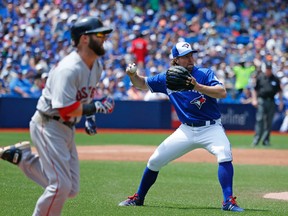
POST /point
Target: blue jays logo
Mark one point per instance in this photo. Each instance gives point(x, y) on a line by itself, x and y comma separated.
point(199, 101)
point(186, 45)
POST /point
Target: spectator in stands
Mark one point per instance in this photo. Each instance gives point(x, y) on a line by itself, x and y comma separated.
point(20, 86)
point(4, 86)
point(266, 87)
point(121, 93)
point(230, 98)
point(243, 72)
point(213, 28)
point(139, 49)
point(134, 93)
point(8, 71)
point(26, 59)
point(246, 96)
point(37, 87)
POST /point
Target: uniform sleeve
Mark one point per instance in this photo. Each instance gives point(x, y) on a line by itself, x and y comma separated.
point(212, 80)
point(157, 83)
point(63, 88)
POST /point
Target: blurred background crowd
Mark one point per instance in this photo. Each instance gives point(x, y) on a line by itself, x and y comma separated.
point(235, 38)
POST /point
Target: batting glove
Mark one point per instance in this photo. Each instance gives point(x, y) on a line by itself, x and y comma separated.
point(90, 125)
point(105, 105)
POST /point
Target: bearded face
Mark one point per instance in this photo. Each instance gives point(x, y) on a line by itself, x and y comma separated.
point(96, 46)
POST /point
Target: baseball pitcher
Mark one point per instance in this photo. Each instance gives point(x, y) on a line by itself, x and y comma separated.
point(193, 91)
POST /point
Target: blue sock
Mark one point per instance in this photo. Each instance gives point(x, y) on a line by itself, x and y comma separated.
point(225, 176)
point(148, 179)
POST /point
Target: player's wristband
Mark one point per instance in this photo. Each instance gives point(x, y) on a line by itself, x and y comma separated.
point(88, 109)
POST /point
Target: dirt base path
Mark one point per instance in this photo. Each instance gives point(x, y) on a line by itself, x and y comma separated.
point(142, 153)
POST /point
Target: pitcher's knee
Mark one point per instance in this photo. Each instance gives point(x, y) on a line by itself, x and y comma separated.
point(154, 165)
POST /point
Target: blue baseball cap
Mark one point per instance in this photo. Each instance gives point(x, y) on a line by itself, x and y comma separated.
point(181, 49)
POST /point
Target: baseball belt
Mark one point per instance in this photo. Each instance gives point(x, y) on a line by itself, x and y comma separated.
point(57, 118)
point(201, 123)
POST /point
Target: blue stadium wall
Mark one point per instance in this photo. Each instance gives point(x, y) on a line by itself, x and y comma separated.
point(17, 112)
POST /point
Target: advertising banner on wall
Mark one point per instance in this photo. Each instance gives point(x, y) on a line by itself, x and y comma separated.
point(235, 117)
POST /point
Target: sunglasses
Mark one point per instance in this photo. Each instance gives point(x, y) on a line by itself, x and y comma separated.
point(101, 35)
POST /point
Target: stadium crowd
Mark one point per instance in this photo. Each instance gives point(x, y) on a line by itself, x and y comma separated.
point(235, 38)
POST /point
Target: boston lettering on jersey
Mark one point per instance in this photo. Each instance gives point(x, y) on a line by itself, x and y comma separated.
point(85, 93)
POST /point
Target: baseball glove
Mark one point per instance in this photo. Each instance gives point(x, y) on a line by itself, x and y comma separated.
point(177, 79)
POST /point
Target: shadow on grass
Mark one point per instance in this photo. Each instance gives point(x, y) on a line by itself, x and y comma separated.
point(201, 208)
point(182, 207)
point(257, 210)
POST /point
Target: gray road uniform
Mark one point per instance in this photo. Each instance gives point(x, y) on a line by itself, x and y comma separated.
point(57, 168)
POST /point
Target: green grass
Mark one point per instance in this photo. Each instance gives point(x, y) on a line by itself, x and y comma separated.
point(181, 189)
point(279, 141)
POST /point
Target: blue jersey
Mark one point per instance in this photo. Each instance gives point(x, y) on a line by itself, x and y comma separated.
point(191, 106)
